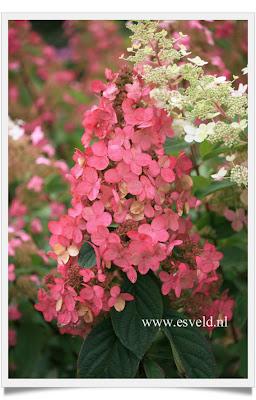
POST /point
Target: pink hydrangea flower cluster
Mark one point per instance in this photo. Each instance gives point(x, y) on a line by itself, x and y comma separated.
point(237, 218)
point(26, 223)
point(129, 202)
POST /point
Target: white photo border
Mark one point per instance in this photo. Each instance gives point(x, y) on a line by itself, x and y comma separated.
point(219, 382)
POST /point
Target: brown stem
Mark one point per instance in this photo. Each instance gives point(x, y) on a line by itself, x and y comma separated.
point(223, 113)
point(193, 156)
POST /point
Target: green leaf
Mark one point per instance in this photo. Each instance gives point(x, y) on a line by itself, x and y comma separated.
point(152, 369)
point(79, 96)
point(212, 188)
point(243, 351)
point(221, 226)
point(147, 304)
point(30, 346)
point(102, 355)
point(209, 151)
point(200, 182)
point(54, 185)
point(173, 146)
point(240, 314)
point(191, 351)
point(234, 257)
point(87, 257)
point(205, 148)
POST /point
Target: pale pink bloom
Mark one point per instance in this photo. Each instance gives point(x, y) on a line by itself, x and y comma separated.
point(48, 149)
point(103, 238)
point(67, 313)
point(209, 260)
point(110, 75)
point(118, 299)
point(93, 297)
point(182, 279)
point(172, 244)
point(172, 219)
point(136, 160)
point(87, 274)
point(136, 91)
point(64, 297)
point(13, 93)
point(118, 144)
point(13, 313)
point(109, 91)
point(34, 278)
point(43, 255)
point(131, 273)
point(185, 40)
point(47, 305)
point(98, 159)
point(12, 245)
point(144, 253)
point(157, 230)
point(96, 216)
point(43, 161)
point(99, 120)
point(37, 135)
point(134, 185)
point(35, 184)
point(66, 227)
point(61, 165)
point(36, 225)
point(167, 165)
point(17, 209)
point(238, 218)
point(144, 138)
point(115, 252)
point(183, 165)
point(147, 189)
point(121, 172)
point(140, 117)
point(23, 235)
point(217, 60)
point(11, 272)
point(90, 184)
point(57, 209)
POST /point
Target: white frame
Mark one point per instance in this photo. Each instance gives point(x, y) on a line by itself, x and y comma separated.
point(248, 382)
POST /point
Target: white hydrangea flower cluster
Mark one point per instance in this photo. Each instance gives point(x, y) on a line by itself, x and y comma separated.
point(239, 175)
point(180, 86)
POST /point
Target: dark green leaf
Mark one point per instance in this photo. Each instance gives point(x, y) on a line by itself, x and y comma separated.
point(234, 257)
point(209, 151)
point(87, 257)
point(205, 148)
point(212, 188)
point(243, 351)
point(173, 146)
point(191, 350)
point(221, 226)
point(200, 182)
point(30, 346)
point(103, 356)
point(54, 185)
point(240, 314)
point(152, 369)
point(147, 304)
